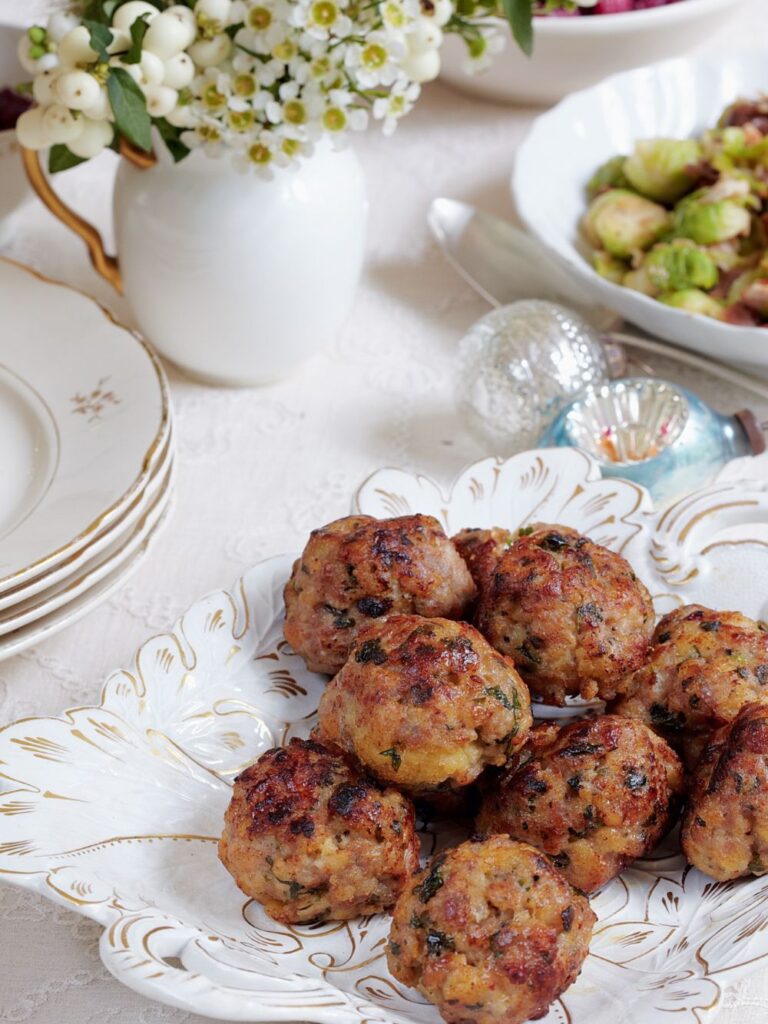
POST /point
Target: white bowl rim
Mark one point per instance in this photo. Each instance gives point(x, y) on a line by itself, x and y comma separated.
point(628, 21)
point(617, 296)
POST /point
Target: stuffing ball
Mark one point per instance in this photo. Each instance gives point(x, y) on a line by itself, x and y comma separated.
point(704, 666)
point(572, 614)
point(312, 839)
point(359, 568)
point(594, 795)
point(481, 550)
point(725, 829)
point(425, 704)
point(491, 933)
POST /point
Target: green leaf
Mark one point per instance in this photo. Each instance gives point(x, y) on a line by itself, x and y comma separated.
point(520, 17)
point(61, 159)
point(100, 10)
point(138, 31)
point(101, 37)
point(132, 118)
point(171, 136)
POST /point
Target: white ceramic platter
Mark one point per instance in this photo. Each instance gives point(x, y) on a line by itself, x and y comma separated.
point(114, 810)
point(83, 418)
point(72, 567)
point(677, 98)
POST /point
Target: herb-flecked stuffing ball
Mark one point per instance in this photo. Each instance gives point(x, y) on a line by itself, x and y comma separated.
point(358, 569)
point(572, 614)
point(704, 666)
point(725, 829)
point(425, 704)
point(312, 839)
point(594, 795)
point(490, 932)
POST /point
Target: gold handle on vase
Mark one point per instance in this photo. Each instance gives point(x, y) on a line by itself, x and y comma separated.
point(103, 263)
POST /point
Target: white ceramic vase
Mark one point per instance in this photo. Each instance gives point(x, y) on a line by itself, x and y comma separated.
point(234, 278)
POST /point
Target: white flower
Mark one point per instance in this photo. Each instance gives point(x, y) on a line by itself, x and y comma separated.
point(482, 50)
point(376, 61)
point(322, 19)
point(397, 15)
point(391, 108)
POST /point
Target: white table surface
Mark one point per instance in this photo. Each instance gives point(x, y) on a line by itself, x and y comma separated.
point(259, 468)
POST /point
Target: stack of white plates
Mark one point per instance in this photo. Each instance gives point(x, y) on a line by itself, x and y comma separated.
point(86, 455)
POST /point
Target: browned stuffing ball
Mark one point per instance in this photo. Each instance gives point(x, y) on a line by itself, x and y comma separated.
point(725, 829)
point(491, 933)
point(572, 614)
point(481, 549)
point(704, 666)
point(358, 569)
point(594, 795)
point(425, 704)
point(311, 838)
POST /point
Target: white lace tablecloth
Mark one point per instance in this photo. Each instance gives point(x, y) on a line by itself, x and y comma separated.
point(259, 468)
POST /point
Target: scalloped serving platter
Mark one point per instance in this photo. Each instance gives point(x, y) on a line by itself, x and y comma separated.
point(114, 810)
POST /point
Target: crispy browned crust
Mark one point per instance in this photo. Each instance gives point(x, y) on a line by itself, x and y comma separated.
point(481, 550)
point(312, 838)
point(725, 828)
point(490, 932)
point(571, 613)
point(703, 667)
point(594, 795)
point(357, 569)
point(425, 704)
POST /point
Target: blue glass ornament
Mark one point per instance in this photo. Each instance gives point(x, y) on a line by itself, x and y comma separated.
point(655, 433)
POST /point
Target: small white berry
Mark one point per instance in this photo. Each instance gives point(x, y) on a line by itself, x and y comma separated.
point(61, 124)
point(442, 12)
point(130, 12)
point(121, 42)
point(423, 36)
point(75, 49)
point(61, 24)
point(76, 89)
point(31, 131)
point(42, 87)
point(168, 35)
point(101, 109)
point(152, 68)
point(48, 62)
point(179, 71)
point(185, 14)
point(216, 10)
point(208, 52)
point(422, 67)
point(94, 137)
point(160, 100)
point(181, 117)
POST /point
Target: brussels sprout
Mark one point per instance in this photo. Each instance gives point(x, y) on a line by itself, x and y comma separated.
point(677, 266)
point(709, 223)
point(609, 267)
point(693, 300)
point(608, 175)
point(639, 281)
point(621, 222)
point(660, 168)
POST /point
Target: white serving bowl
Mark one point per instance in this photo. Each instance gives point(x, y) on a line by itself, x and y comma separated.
point(678, 98)
point(572, 53)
